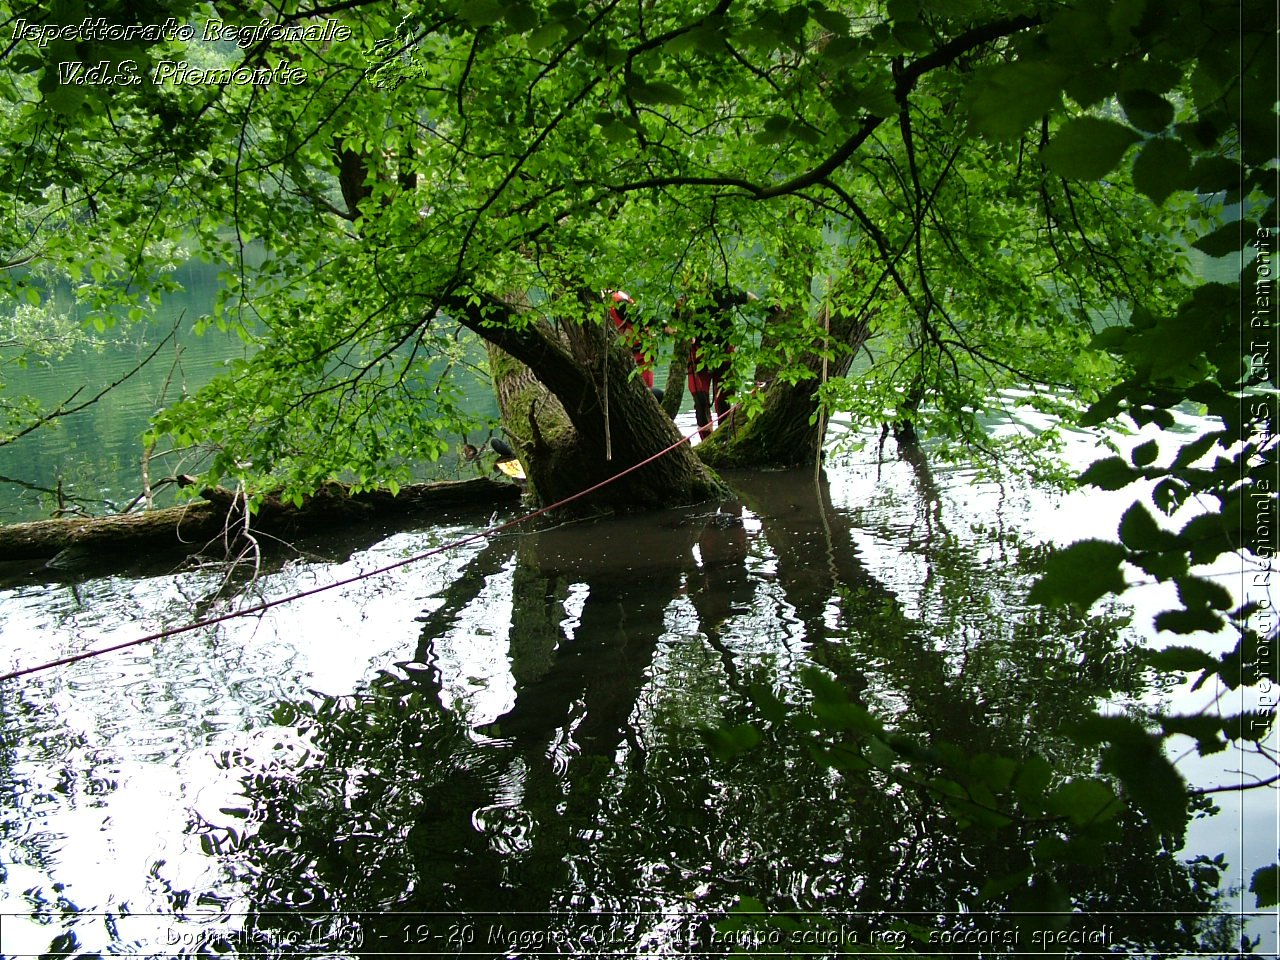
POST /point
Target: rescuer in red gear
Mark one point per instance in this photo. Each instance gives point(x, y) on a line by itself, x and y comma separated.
point(620, 305)
point(708, 379)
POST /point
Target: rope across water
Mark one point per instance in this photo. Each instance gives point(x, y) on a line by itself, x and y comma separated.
point(268, 604)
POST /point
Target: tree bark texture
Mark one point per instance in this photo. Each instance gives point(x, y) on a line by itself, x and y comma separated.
point(787, 431)
point(578, 416)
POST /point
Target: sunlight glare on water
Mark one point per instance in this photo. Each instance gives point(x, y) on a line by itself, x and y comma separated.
point(514, 724)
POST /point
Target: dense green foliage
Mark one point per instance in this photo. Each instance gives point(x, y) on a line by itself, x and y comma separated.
point(876, 158)
point(1008, 190)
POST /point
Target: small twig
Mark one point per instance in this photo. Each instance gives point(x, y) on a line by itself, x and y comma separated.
point(1236, 788)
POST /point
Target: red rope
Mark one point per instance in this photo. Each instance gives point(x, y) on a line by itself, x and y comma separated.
point(268, 604)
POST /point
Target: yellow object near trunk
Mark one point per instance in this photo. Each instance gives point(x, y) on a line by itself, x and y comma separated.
point(511, 468)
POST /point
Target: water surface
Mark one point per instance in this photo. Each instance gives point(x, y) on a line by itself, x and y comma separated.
point(505, 741)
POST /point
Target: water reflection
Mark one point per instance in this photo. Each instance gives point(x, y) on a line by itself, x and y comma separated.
point(530, 743)
point(589, 789)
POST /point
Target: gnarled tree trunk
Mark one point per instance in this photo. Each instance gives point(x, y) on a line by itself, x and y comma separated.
point(578, 416)
point(787, 432)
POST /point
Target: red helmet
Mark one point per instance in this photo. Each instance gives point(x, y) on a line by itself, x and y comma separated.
point(620, 296)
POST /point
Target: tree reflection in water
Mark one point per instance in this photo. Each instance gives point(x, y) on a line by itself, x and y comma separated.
point(595, 791)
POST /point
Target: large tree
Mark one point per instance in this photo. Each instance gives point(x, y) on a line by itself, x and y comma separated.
point(944, 208)
point(496, 165)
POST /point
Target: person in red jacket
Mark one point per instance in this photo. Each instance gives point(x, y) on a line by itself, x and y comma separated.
point(711, 325)
point(620, 306)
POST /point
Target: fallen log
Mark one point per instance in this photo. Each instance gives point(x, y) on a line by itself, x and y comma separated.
point(219, 518)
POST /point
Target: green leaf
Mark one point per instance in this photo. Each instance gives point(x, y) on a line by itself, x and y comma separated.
point(1080, 574)
point(1164, 563)
point(845, 716)
point(913, 35)
point(1188, 621)
point(1033, 777)
point(1112, 338)
point(1198, 592)
point(837, 23)
point(1214, 174)
point(1158, 415)
point(877, 100)
point(656, 92)
point(521, 17)
point(730, 742)
point(1190, 452)
point(832, 706)
point(1091, 86)
point(1150, 780)
point(682, 42)
point(844, 51)
point(544, 36)
point(709, 37)
point(617, 131)
point(1005, 100)
point(1100, 728)
point(1211, 536)
point(996, 772)
point(1139, 530)
point(767, 702)
point(1265, 885)
point(1087, 148)
point(1110, 473)
point(1146, 110)
point(26, 63)
point(66, 99)
point(1084, 800)
point(1204, 728)
point(1227, 239)
point(1155, 75)
point(1161, 168)
point(482, 13)
point(1181, 659)
point(777, 127)
point(1144, 454)
point(1125, 16)
point(823, 686)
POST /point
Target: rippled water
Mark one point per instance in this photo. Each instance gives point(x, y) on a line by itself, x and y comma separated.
point(496, 750)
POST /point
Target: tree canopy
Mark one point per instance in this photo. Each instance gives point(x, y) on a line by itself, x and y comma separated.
point(942, 169)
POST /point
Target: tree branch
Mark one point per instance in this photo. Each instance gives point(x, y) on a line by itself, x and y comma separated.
point(62, 410)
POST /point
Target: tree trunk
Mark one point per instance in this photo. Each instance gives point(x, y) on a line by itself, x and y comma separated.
point(577, 416)
point(788, 431)
point(677, 376)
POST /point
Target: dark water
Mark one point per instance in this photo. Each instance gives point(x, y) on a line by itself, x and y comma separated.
point(501, 750)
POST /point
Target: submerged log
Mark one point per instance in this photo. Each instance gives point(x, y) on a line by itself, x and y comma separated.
point(219, 518)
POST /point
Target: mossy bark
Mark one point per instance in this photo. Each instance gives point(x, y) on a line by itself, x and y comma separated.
point(787, 432)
